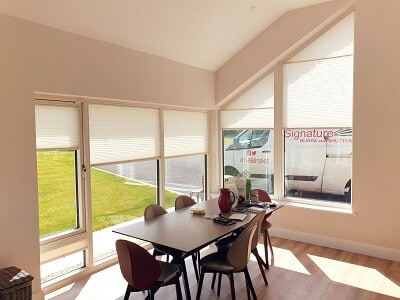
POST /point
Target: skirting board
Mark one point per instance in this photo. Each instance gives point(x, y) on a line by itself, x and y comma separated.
point(38, 295)
point(346, 245)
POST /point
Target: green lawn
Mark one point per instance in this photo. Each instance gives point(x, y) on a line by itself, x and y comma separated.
point(114, 199)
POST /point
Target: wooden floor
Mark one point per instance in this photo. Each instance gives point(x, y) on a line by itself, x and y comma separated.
point(298, 271)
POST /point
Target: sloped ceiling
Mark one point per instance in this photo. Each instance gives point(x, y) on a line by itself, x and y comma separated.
point(200, 33)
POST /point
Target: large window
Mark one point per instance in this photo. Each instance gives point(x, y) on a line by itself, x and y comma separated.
point(132, 164)
point(248, 135)
point(317, 117)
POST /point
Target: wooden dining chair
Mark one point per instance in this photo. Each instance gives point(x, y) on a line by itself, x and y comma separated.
point(234, 261)
point(224, 244)
point(143, 272)
point(266, 225)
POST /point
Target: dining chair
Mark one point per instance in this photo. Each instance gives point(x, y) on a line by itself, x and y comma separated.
point(265, 226)
point(183, 201)
point(225, 243)
point(150, 212)
point(143, 272)
point(234, 261)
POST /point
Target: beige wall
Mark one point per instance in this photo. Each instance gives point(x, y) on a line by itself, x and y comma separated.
point(376, 219)
point(37, 58)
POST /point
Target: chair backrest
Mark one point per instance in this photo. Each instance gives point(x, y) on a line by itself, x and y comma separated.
point(138, 267)
point(262, 195)
point(183, 201)
point(257, 220)
point(153, 211)
point(239, 253)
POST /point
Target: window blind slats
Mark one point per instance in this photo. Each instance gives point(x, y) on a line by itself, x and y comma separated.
point(247, 118)
point(318, 93)
point(254, 109)
point(337, 41)
point(185, 132)
point(119, 134)
point(57, 127)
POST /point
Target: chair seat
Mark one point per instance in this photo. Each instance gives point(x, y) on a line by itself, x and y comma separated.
point(169, 272)
point(265, 225)
point(217, 262)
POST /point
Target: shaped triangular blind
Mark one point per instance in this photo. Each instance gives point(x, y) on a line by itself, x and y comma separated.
point(337, 41)
point(318, 81)
point(121, 134)
point(57, 127)
point(253, 109)
point(185, 132)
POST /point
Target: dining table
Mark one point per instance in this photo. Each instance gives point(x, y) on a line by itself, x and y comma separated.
point(185, 231)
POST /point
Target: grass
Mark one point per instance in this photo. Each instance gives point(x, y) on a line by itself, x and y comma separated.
point(114, 199)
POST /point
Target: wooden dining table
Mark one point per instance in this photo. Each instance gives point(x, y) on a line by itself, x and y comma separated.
point(184, 231)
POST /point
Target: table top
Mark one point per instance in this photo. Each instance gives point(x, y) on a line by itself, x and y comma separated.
point(183, 230)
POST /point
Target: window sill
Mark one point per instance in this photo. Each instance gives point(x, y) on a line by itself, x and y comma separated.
point(342, 208)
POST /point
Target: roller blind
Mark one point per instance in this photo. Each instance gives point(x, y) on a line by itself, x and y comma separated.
point(253, 109)
point(120, 134)
point(185, 132)
point(318, 81)
point(57, 127)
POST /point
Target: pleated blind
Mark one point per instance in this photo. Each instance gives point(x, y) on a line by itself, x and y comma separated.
point(120, 134)
point(318, 81)
point(185, 132)
point(253, 109)
point(57, 127)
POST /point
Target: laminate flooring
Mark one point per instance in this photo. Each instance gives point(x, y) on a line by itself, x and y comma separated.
point(298, 271)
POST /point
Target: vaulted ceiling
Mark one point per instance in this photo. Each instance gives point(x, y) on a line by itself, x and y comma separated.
point(200, 33)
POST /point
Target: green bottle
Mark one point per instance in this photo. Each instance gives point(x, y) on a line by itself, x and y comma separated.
point(248, 188)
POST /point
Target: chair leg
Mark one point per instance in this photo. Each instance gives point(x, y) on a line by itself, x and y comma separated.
point(247, 290)
point(213, 280)
point(196, 271)
point(200, 285)
point(219, 284)
point(261, 265)
point(270, 244)
point(185, 278)
point(248, 279)
point(232, 284)
point(178, 290)
point(265, 236)
point(127, 293)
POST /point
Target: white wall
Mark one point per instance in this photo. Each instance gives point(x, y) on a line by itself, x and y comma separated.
point(37, 58)
point(374, 226)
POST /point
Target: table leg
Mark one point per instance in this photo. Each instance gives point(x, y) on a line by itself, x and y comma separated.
point(181, 262)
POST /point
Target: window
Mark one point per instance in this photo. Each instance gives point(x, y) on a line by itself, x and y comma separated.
point(123, 154)
point(317, 117)
point(248, 135)
point(131, 166)
point(57, 144)
point(185, 148)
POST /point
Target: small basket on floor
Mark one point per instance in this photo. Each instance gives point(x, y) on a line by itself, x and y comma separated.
point(15, 284)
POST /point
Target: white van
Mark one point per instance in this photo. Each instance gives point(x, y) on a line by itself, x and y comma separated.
point(316, 160)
